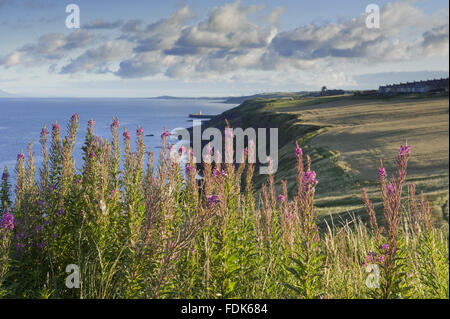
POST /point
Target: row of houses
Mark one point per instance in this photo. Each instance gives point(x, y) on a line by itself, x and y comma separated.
point(436, 85)
point(331, 92)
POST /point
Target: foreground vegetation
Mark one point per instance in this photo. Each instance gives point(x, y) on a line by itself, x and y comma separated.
point(139, 231)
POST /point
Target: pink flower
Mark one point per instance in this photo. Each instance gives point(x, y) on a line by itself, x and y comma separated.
point(127, 135)
point(74, 117)
point(20, 156)
point(381, 173)
point(309, 179)
point(140, 131)
point(404, 151)
point(216, 173)
point(289, 216)
point(181, 150)
point(115, 123)
point(281, 198)
point(298, 152)
point(7, 221)
point(56, 127)
point(165, 134)
point(113, 193)
point(91, 123)
point(213, 199)
point(390, 189)
point(44, 132)
point(370, 258)
point(384, 248)
point(189, 169)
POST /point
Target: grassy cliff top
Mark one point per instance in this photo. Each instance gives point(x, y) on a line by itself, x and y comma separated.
point(346, 136)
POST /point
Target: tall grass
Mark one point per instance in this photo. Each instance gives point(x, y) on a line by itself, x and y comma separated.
point(139, 230)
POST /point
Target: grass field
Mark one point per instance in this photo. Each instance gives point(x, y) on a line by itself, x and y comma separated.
point(348, 135)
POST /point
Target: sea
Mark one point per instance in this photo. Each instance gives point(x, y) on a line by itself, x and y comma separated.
point(22, 119)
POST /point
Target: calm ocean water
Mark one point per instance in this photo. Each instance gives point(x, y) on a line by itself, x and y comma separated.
point(21, 120)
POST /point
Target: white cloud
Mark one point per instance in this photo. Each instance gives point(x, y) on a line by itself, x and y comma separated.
point(102, 24)
point(227, 27)
point(144, 64)
point(230, 44)
point(435, 41)
point(54, 46)
point(159, 35)
point(96, 60)
point(12, 59)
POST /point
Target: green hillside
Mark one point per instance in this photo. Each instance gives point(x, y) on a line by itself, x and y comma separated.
point(347, 136)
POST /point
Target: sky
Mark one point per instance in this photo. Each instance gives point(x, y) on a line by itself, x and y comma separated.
point(131, 48)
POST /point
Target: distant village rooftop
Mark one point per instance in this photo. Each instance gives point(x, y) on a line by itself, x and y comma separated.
point(436, 85)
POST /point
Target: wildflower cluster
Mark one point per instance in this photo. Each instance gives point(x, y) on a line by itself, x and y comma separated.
point(377, 258)
point(7, 221)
